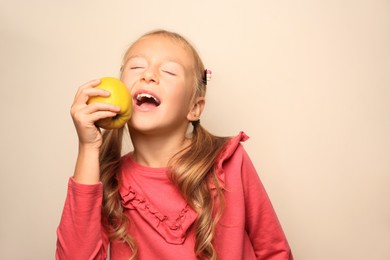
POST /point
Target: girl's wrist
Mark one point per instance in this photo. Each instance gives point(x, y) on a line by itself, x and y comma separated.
point(89, 148)
point(87, 165)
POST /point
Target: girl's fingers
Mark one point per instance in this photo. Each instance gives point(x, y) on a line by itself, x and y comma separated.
point(88, 90)
point(90, 119)
point(102, 115)
point(97, 106)
point(84, 94)
point(89, 114)
point(89, 84)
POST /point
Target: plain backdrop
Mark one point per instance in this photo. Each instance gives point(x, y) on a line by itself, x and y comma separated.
point(307, 80)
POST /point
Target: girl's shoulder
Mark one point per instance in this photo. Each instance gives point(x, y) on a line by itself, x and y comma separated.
point(232, 148)
point(231, 159)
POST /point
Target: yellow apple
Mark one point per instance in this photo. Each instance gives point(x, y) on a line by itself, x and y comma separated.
point(120, 96)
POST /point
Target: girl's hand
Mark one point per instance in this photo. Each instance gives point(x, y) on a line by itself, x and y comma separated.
point(84, 116)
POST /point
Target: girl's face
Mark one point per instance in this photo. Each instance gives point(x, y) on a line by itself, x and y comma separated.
point(159, 74)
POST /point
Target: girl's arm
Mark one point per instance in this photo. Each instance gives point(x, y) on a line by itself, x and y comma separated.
point(262, 224)
point(80, 233)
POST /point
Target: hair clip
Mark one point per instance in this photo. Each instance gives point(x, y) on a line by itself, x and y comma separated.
point(195, 123)
point(207, 76)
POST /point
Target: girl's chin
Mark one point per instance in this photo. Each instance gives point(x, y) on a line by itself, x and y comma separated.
point(143, 127)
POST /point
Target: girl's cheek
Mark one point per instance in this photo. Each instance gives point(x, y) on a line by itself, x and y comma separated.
point(129, 82)
point(127, 78)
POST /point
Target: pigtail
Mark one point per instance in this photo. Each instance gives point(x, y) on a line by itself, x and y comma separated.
point(192, 170)
point(113, 217)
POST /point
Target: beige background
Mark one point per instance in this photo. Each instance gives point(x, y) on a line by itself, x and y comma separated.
point(308, 81)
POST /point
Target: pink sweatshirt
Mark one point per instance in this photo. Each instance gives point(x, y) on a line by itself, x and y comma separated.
point(162, 223)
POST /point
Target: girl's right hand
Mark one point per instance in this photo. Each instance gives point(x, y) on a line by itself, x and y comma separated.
point(84, 116)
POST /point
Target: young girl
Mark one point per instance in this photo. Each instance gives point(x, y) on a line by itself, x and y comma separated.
point(179, 194)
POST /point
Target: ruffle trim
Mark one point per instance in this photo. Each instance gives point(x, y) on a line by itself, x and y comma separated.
point(173, 231)
point(225, 155)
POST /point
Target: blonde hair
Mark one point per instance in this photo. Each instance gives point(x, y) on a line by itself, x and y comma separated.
point(191, 170)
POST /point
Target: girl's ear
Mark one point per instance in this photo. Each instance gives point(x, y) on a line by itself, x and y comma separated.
point(196, 110)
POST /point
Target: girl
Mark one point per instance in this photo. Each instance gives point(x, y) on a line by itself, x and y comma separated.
point(179, 194)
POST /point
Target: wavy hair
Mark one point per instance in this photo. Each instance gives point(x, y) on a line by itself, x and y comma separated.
point(191, 170)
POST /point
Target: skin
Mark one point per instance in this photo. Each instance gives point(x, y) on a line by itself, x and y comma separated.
point(156, 65)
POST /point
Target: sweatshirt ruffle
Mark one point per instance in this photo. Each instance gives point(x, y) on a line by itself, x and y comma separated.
point(172, 230)
point(225, 155)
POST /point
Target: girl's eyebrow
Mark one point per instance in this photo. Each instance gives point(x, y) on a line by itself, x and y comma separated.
point(175, 62)
point(133, 57)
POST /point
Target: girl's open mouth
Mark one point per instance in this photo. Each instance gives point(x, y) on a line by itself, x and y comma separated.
point(145, 99)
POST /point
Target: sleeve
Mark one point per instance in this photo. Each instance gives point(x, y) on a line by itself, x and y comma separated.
point(261, 223)
point(80, 234)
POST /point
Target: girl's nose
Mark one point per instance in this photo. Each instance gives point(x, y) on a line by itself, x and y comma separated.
point(150, 76)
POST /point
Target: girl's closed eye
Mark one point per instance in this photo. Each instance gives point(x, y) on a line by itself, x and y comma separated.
point(171, 69)
point(136, 67)
point(169, 72)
